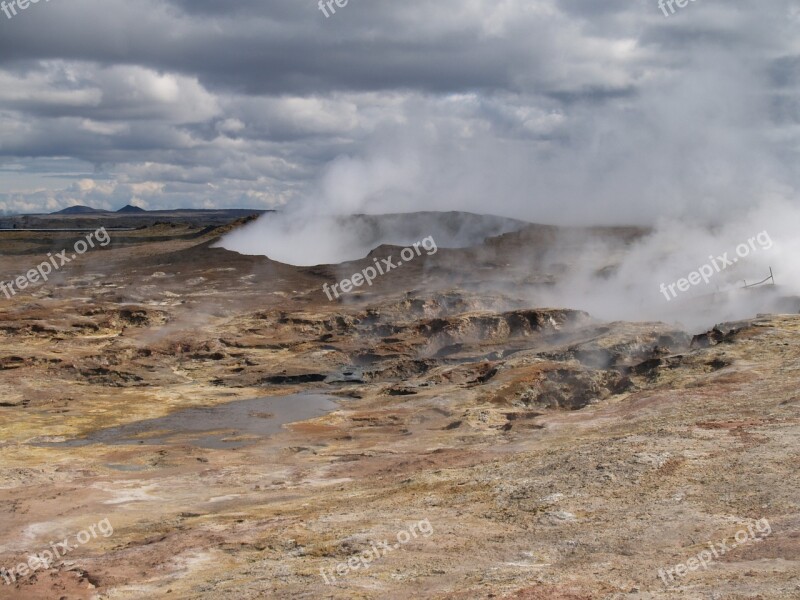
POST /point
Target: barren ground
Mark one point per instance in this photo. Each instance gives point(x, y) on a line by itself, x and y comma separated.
point(554, 456)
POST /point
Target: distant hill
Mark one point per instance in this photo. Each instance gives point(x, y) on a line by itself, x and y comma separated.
point(130, 209)
point(78, 209)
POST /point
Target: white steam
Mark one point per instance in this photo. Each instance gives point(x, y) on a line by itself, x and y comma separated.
point(693, 154)
point(765, 239)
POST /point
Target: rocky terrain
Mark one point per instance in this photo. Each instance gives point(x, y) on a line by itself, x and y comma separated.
point(553, 455)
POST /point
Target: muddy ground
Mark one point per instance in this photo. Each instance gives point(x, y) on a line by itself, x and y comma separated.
point(500, 449)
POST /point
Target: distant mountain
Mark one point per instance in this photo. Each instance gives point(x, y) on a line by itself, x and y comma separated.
point(78, 210)
point(130, 209)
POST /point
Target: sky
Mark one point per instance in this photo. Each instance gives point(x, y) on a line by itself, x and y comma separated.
point(555, 111)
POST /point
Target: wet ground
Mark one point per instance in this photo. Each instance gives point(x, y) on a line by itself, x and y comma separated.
point(232, 425)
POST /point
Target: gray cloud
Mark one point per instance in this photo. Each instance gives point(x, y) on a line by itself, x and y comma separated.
point(550, 110)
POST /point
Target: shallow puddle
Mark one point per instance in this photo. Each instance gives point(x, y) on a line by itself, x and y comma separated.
point(231, 425)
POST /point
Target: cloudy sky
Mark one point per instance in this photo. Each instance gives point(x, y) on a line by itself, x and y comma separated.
point(551, 110)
